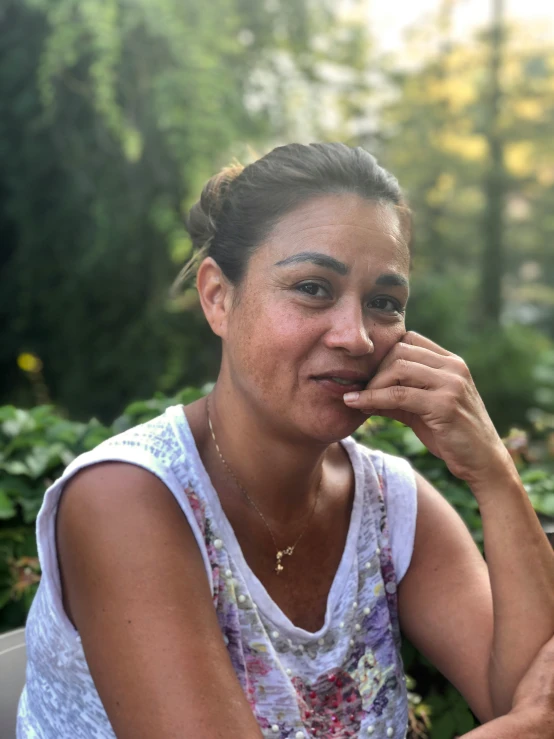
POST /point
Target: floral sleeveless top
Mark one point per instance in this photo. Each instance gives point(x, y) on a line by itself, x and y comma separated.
point(345, 680)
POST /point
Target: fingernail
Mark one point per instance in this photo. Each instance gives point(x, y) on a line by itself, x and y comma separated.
point(350, 397)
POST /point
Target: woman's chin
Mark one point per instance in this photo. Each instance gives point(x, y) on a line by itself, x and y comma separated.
point(335, 425)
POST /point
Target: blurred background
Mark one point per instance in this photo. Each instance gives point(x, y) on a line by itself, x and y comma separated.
point(113, 113)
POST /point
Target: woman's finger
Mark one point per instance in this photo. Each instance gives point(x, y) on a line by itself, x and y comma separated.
point(412, 337)
point(397, 397)
point(413, 353)
point(410, 374)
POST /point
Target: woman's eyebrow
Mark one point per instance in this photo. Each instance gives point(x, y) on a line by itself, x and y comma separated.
point(315, 257)
point(391, 279)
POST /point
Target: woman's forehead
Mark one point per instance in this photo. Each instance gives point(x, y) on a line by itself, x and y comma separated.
point(341, 209)
point(341, 224)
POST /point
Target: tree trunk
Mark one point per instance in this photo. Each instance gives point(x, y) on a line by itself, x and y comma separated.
point(495, 182)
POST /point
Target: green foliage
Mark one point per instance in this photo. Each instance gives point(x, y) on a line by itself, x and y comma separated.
point(113, 114)
point(543, 375)
point(35, 447)
point(512, 366)
point(450, 715)
point(506, 366)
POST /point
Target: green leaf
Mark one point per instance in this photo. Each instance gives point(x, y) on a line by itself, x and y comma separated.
point(18, 487)
point(43, 458)
point(412, 444)
point(463, 718)
point(189, 395)
point(95, 436)
point(5, 596)
point(443, 727)
point(64, 432)
point(14, 468)
point(12, 536)
point(21, 423)
point(545, 504)
point(459, 496)
point(533, 474)
point(141, 406)
point(30, 509)
point(408, 654)
point(383, 445)
point(7, 508)
point(7, 413)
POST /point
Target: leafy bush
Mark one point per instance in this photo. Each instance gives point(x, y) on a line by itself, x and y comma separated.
point(36, 445)
point(510, 366)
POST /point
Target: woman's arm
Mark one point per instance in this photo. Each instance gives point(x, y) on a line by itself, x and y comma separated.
point(136, 588)
point(483, 626)
point(532, 715)
point(521, 571)
point(457, 610)
point(517, 725)
point(445, 600)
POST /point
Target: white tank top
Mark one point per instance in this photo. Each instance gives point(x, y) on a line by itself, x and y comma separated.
point(345, 680)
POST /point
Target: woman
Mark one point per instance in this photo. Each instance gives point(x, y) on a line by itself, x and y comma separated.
point(273, 606)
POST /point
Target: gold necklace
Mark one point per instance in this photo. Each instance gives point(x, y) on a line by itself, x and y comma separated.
point(280, 553)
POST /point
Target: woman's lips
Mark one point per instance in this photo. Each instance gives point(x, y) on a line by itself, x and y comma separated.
point(339, 388)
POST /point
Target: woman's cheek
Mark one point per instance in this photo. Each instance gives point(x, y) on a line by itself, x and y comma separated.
point(384, 342)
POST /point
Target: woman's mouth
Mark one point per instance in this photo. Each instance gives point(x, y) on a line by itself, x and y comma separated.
point(342, 383)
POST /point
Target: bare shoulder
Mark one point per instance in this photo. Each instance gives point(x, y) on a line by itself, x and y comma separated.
point(106, 510)
point(136, 588)
point(117, 495)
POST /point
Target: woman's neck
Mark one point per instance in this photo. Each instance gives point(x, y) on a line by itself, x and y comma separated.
point(281, 475)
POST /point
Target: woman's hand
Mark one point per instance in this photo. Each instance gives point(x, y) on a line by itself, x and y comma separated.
point(535, 692)
point(432, 391)
point(532, 714)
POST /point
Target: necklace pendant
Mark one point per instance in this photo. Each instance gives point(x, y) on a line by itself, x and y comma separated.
point(279, 558)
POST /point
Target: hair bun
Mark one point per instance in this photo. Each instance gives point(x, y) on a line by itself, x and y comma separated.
point(201, 222)
point(202, 218)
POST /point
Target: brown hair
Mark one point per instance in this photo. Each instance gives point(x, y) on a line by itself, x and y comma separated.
point(239, 206)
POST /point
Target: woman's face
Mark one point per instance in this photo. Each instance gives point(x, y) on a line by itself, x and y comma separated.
point(321, 304)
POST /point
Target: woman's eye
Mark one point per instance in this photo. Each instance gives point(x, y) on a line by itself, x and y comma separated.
point(314, 289)
point(387, 305)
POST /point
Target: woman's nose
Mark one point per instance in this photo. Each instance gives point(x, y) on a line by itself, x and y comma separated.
point(349, 332)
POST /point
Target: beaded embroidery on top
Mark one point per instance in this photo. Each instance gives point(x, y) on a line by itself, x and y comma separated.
point(346, 680)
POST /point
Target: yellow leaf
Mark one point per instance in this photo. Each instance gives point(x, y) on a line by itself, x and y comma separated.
point(132, 144)
point(545, 176)
point(519, 158)
point(180, 247)
point(29, 362)
point(529, 110)
point(441, 190)
point(472, 147)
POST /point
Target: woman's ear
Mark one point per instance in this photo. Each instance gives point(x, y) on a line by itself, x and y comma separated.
point(216, 293)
